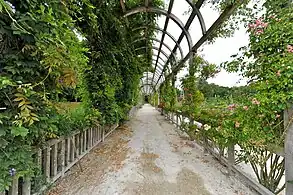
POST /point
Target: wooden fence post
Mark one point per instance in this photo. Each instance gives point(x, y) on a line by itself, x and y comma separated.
point(99, 133)
point(55, 156)
point(103, 134)
point(62, 157)
point(67, 159)
point(13, 190)
point(231, 154)
point(231, 157)
point(89, 138)
point(77, 145)
point(81, 137)
point(26, 187)
point(48, 163)
point(39, 158)
point(72, 148)
point(85, 140)
point(288, 150)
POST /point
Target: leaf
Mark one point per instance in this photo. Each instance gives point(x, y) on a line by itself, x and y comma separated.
point(2, 131)
point(35, 119)
point(19, 131)
point(33, 114)
point(21, 104)
point(18, 99)
point(31, 121)
point(30, 107)
point(19, 95)
point(3, 143)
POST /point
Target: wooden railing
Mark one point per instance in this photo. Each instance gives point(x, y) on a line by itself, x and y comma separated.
point(59, 155)
point(228, 159)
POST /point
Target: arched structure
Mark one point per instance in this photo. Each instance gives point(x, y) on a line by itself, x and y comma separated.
point(163, 69)
point(156, 48)
point(156, 40)
point(167, 33)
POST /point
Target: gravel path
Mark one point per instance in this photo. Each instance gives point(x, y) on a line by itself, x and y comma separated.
point(146, 156)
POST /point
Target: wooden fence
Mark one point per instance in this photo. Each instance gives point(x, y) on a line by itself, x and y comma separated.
point(177, 118)
point(59, 155)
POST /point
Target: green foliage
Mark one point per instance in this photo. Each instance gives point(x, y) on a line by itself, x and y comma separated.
point(168, 96)
point(214, 91)
point(114, 77)
point(40, 56)
point(255, 122)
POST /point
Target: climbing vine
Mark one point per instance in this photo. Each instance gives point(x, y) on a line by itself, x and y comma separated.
point(64, 66)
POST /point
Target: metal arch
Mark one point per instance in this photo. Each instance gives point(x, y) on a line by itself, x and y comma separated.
point(154, 62)
point(156, 74)
point(145, 79)
point(168, 15)
point(146, 85)
point(195, 11)
point(155, 48)
point(146, 91)
point(148, 81)
point(224, 15)
point(163, 31)
point(158, 63)
point(160, 59)
point(164, 62)
point(157, 40)
point(195, 8)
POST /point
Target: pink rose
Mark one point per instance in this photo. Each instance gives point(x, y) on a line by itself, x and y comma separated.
point(231, 107)
point(258, 31)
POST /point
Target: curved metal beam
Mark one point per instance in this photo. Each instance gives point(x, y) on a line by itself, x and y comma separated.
point(199, 16)
point(146, 85)
point(155, 48)
point(160, 69)
point(156, 74)
point(154, 61)
point(163, 12)
point(195, 12)
point(224, 15)
point(169, 15)
point(163, 31)
point(156, 40)
point(149, 80)
point(162, 61)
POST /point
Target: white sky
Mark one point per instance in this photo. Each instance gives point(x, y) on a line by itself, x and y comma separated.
point(216, 53)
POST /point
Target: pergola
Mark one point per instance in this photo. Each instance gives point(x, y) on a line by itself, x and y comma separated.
point(166, 64)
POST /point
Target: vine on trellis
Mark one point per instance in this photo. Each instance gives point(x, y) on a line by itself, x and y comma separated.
point(64, 66)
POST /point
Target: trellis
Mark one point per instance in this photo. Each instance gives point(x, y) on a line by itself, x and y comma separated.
point(169, 67)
